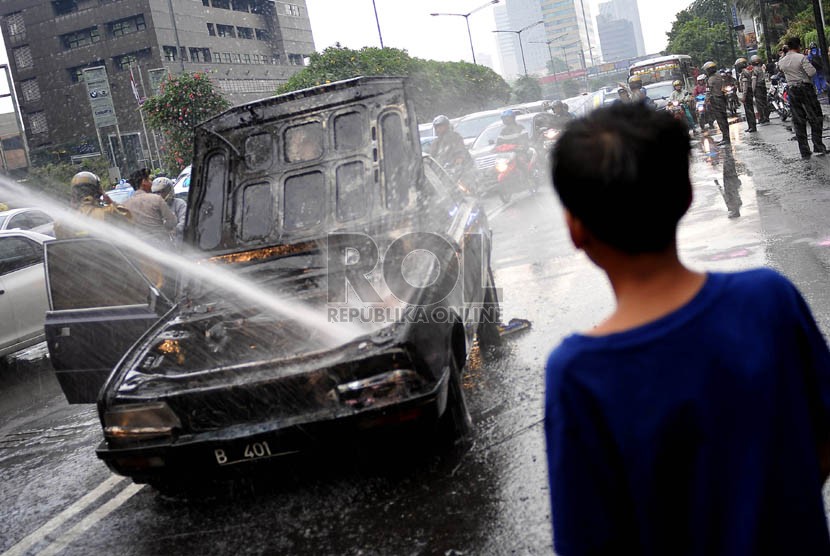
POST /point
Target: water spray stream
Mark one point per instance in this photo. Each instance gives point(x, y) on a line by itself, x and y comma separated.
point(213, 274)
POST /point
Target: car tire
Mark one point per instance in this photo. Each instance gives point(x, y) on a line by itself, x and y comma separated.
point(455, 424)
point(488, 330)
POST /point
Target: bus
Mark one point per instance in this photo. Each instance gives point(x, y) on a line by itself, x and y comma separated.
point(665, 68)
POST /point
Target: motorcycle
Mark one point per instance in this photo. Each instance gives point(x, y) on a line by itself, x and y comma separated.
point(778, 98)
point(516, 169)
point(703, 116)
point(732, 102)
point(675, 108)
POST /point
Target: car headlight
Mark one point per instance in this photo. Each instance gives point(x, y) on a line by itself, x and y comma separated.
point(551, 133)
point(140, 421)
point(378, 390)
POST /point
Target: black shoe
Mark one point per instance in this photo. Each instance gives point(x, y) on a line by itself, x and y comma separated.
point(806, 155)
point(733, 214)
point(723, 142)
point(753, 130)
point(820, 151)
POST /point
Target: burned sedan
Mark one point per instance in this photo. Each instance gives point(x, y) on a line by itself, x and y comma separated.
point(336, 279)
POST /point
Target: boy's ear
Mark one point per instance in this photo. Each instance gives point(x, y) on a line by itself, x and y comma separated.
point(579, 235)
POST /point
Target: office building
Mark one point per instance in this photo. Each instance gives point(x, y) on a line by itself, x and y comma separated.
point(616, 36)
point(247, 47)
point(624, 10)
point(513, 15)
point(569, 26)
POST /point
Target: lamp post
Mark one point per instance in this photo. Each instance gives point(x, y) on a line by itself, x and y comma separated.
point(466, 17)
point(519, 34)
point(552, 63)
point(377, 21)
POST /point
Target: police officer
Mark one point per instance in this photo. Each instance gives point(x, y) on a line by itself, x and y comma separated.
point(803, 100)
point(747, 93)
point(88, 198)
point(716, 100)
point(759, 85)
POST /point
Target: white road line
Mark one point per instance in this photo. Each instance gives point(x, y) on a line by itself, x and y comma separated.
point(66, 539)
point(39, 534)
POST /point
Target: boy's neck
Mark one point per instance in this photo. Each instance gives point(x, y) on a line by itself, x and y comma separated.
point(647, 287)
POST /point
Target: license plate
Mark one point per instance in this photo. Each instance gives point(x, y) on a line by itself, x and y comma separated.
point(248, 452)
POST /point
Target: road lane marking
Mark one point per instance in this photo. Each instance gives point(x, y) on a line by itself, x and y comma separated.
point(86, 523)
point(39, 534)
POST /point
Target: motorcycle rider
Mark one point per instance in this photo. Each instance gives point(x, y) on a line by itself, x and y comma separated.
point(716, 100)
point(512, 132)
point(746, 93)
point(449, 151)
point(681, 95)
point(759, 85)
point(638, 93)
point(89, 199)
point(700, 89)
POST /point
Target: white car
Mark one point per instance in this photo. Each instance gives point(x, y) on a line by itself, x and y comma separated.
point(27, 219)
point(23, 301)
point(182, 186)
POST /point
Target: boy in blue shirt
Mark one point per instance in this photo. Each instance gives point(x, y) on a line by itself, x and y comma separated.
point(695, 419)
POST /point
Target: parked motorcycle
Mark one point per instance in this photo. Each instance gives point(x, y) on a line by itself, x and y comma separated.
point(778, 98)
point(516, 168)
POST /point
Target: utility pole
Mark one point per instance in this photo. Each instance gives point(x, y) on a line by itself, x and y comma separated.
point(377, 21)
point(767, 36)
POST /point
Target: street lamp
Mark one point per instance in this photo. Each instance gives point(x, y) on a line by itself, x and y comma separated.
point(519, 33)
point(466, 17)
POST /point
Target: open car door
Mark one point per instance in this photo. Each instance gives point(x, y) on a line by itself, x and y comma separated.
point(100, 304)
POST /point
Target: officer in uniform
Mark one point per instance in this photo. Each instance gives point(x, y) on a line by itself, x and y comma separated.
point(716, 100)
point(799, 73)
point(759, 85)
point(88, 199)
point(747, 93)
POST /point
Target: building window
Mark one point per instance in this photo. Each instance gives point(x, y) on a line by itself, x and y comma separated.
point(262, 35)
point(199, 55)
point(124, 61)
point(23, 57)
point(224, 4)
point(183, 53)
point(225, 30)
point(292, 10)
point(226, 57)
point(211, 30)
point(244, 32)
point(246, 58)
point(206, 3)
point(127, 26)
point(84, 37)
point(295, 59)
point(16, 27)
point(248, 85)
point(236, 58)
point(63, 7)
point(169, 53)
point(76, 74)
point(241, 5)
point(37, 123)
point(30, 90)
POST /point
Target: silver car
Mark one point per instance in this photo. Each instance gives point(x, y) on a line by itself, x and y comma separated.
point(27, 219)
point(23, 301)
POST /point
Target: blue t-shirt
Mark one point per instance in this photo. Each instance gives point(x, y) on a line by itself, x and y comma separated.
point(697, 433)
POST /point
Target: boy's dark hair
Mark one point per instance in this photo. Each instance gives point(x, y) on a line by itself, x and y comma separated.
point(794, 43)
point(137, 177)
point(624, 172)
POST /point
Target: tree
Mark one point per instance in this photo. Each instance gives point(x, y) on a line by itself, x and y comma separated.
point(803, 26)
point(183, 102)
point(556, 65)
point(526, 89)
point(699, 39)
point(451, 88)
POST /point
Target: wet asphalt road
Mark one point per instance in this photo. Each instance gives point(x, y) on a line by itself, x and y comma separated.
point(57, 498)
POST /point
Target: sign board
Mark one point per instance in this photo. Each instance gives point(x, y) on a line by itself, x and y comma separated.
point(100, 97)
point(156, 77)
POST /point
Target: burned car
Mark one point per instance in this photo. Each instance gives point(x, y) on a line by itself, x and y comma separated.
point(318, 202)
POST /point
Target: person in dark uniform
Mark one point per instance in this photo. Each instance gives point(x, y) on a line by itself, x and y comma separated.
point(746, 93)
point(716, 100)
point(804, 104)
point(759, 86)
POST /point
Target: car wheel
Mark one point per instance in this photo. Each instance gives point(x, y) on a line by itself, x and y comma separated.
point(488, 327)
point(455, 424)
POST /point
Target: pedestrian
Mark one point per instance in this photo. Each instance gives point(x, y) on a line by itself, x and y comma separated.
point(746, 93)
point(759, 86)
point(154, 221)
point(695, 419)
point(163, 187)
point(803, 100)
point(814, 56)
point(716, 100)
point(88, 198)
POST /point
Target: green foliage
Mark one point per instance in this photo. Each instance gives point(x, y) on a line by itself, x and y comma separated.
point(556, 65)
point(699, 39)
point(526, 89)
point(183, 102)
point(451, 88)
point(571, 87)
point(803, 26)
point(54, 178)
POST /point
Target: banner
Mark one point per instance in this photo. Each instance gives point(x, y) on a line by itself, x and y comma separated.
point(100, 99)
